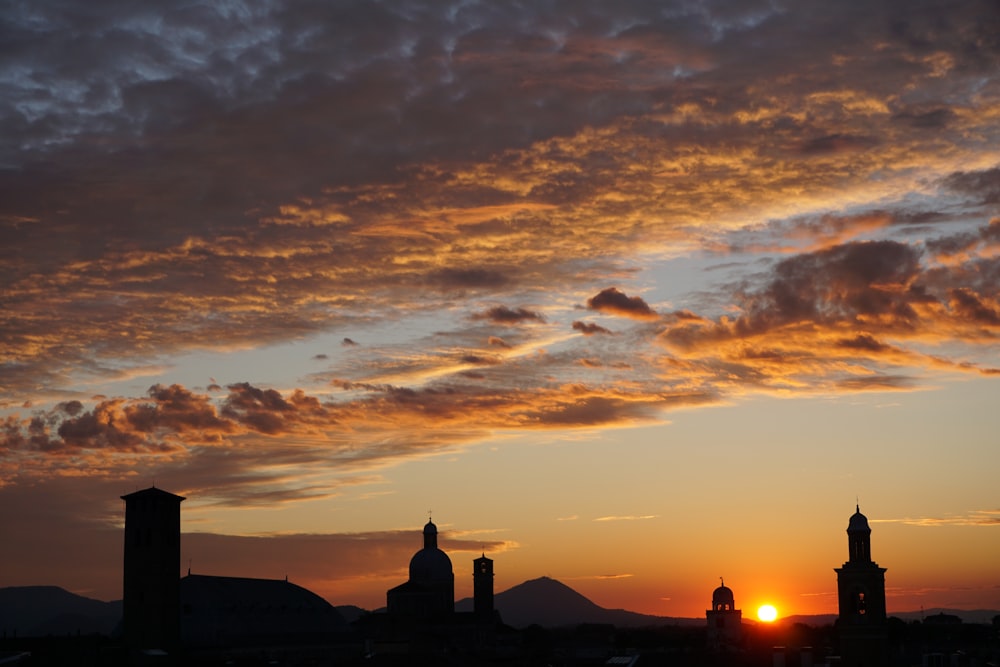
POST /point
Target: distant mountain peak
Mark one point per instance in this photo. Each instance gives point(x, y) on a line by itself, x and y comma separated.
point(551, 603)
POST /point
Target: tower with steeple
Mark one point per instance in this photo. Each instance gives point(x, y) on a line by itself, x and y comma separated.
point(861, 621)
point(482, 586)
point(725, 621)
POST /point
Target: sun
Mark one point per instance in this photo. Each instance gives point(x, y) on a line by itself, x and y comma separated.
point(767, 613)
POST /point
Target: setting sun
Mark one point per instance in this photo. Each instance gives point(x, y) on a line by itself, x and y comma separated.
point(767, 613)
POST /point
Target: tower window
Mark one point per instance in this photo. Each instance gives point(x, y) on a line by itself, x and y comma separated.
point(860, 603)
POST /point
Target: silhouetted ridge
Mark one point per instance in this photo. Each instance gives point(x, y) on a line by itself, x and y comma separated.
point(37, 611)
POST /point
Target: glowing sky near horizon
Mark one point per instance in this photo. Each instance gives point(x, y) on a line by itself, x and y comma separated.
point(633, 295)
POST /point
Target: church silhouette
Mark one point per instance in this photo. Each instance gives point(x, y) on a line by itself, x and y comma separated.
point(164, 613)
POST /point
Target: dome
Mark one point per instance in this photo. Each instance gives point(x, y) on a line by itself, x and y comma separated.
point(430, 564)
point(723, 595)
point(858, 522)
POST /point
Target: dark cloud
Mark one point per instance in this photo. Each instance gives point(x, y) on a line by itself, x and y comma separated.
point(851, 281)
point(589, 328)
point(931, 119)
point(791, 326)
point(967, 304)
point(480, 360)
point(612, 300)
point(864, 342)
point(468, 278)
point(983, 185)
point(505, 315)
point(835, 143)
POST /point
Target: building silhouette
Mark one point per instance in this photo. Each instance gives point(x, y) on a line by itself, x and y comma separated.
point(482, 587)
point(151, 582)
point(242, 611)
point(163, 612)
point(725, 621)
point(861, 621)
point(430, 590)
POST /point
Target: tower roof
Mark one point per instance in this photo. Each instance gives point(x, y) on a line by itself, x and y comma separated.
point(152, 492)
point(722, 595)
point(858, 522)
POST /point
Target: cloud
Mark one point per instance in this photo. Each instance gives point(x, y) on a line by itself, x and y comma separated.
point(258, 446)
point(505, 315)
point(850, 317)
point(589, 328)
point(836, 143)
point(973, 518)
point(984, 185)
point(184, 182)
point(496, 341)
point(627, 518)
point(612, 300)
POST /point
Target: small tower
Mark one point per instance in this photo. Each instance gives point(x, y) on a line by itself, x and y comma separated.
point(151, 583)
point(482, 586)
point(861, 621)
point(725, 621)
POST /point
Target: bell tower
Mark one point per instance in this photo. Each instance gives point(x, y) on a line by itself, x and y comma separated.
point(482, 586)
point(725, 621)
point(861, 621)
point(151, 586)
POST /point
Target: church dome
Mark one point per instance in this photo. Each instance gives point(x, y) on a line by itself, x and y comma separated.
point(858, 522)
point(430, 563)
point(723, 595)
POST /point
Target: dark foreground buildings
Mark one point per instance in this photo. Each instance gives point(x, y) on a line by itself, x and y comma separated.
point(174, 620)
point(205, 621)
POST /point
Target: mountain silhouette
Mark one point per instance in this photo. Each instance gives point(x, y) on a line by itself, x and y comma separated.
point(551, 603)
point(37, 611)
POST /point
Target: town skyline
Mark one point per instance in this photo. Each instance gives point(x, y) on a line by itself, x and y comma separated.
point(632, 296)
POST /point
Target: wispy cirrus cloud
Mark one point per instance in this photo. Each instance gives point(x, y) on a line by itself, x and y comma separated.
point(973, 518)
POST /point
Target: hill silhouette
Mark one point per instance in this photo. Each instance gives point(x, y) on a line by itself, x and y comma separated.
point(551, 603)
point(38, 611)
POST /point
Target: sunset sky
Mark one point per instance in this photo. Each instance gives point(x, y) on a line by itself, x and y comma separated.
point(633, 295)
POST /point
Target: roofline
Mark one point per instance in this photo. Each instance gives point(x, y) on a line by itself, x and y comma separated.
point(152, 490)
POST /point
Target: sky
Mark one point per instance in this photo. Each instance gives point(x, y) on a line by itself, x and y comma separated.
point(634, 295)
